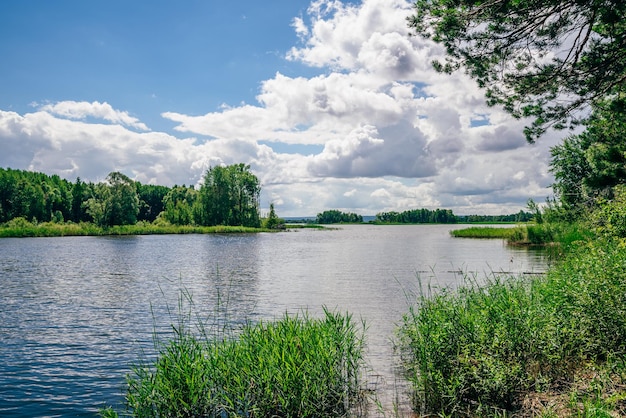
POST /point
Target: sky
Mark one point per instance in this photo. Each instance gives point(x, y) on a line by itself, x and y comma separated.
point(333, 104)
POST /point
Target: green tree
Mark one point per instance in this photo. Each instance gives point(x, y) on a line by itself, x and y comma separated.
point(178, 205)
point(609, 218)
point(589, 165)
point(335, 216)
point(229, 196)
point(150, 201)
point(97, 205)
point(115, 201)
point(8, 186)
point(33, 196)
point(81, 193)
point(273, 221)
point(418, 216)
point(547, 60)
point(570, 168)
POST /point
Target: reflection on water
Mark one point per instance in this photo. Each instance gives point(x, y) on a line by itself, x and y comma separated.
point(78, 311)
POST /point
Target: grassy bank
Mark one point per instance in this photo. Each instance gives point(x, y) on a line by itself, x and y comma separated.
point(483, 232)
point(293, 367)
point(21, 228)
point(528, 234)
point(548, 346)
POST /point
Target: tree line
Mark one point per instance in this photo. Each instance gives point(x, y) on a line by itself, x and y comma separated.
point(334, 216)
point(521, 216)
point(418, 216)
point(229, 195)
point(421, 216)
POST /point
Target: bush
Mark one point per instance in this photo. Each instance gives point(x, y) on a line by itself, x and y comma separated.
point(539, 234)
point(610, 218)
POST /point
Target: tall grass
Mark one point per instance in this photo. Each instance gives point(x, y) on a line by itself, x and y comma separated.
point(295, 366)
point(20, 227)
point(482, 232)
point(485, 348)
point(529, 234)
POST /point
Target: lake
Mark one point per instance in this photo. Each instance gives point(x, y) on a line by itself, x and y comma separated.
point(77, 312)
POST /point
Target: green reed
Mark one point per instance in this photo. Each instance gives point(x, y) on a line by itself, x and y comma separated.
point(485, 347)
point(22, 228)
point(529, 234)
point(295, 366)
point(482, 232)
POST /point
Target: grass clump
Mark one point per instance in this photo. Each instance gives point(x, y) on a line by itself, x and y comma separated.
point(472, 347)
point(489, 348)
point(295, 366)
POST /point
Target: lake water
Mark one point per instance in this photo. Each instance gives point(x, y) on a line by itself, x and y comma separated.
point(77, 312)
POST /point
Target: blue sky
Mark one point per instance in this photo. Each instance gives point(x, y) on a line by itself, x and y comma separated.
point(146, 57)
point(332, 104)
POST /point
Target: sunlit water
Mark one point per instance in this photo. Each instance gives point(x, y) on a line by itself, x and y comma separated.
point(77, 312)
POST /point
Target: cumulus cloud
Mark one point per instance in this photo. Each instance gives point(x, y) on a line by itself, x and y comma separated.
point(393, 133)
point(82, 110)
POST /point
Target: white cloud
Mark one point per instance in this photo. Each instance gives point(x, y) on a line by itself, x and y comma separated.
point(301, 29)
point(83, 110)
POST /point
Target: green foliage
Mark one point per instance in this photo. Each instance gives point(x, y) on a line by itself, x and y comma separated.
point(570, 168)
point(178, 205)
point(229, 196)
point(487, 346)
point(544, 60)
point(115, 202)
point(335, 217)
point(483, 232)
point(34, 196)
point(609, 219)
point(472, 347)
point(418, 216)
point(273, 221)
point(588, 166)
point(81, 192)
point(151, 201)
point(564, 234)
point(540, 234)
point(293, 367)
point(521, 216)
point(20, 227)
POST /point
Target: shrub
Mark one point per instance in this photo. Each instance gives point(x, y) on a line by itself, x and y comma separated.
point(610, 218)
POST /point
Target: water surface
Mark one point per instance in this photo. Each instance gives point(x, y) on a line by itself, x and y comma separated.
point(77, 312)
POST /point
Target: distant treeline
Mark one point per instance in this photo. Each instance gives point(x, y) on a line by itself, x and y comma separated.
point(420, 216)
point(417, 216)
point(336, 217)
point(521, 216)
point(228, 196)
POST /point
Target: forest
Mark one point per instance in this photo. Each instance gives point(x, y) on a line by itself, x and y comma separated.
point(228, 196)
point(418, 216)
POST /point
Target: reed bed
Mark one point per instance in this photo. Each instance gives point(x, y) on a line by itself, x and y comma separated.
point(529, 234)
point(296, 366)
point(21, 228)
point(486, 349)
